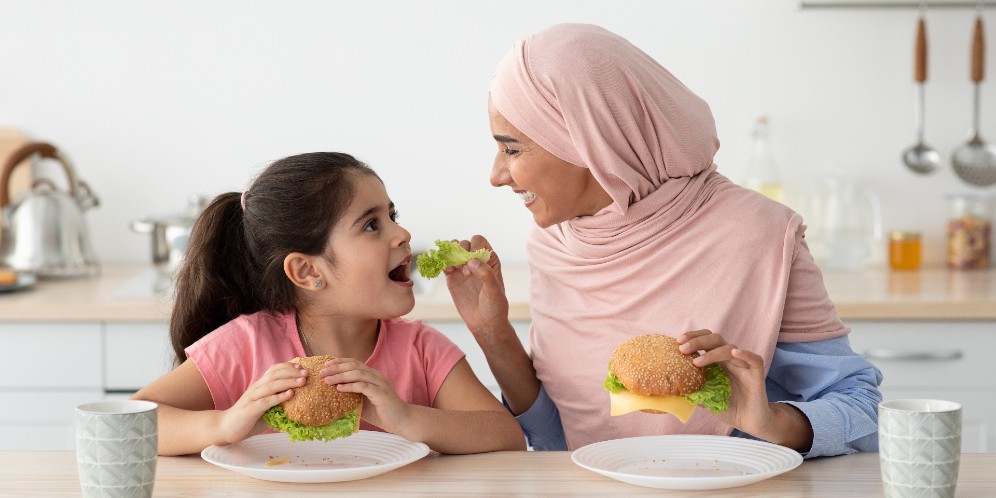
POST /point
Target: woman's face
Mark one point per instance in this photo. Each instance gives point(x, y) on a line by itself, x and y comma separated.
point(553, 189)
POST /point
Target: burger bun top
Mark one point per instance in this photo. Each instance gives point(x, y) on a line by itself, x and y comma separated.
point(651, 365)
point(317, 403)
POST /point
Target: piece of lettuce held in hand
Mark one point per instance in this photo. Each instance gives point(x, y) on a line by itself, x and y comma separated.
point(340, 427)
point(448, 253)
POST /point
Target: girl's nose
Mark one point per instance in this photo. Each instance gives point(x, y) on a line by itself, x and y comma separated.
point(404, 236)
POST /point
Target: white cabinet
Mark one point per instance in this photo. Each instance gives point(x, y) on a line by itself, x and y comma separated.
point(135, 354)
point(939, 360)
point(47, 369)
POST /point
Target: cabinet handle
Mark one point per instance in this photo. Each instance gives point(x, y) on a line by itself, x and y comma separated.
point(906, 355)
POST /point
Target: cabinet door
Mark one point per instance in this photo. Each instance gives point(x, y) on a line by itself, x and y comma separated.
point(46, 420)
point(937, 360)
point(464, 339)
point(50, 355)
point(135, 354)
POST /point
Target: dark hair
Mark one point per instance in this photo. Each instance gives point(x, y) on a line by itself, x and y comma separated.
point(234, 261)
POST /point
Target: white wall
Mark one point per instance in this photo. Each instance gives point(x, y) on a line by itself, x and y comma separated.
point(155, 101)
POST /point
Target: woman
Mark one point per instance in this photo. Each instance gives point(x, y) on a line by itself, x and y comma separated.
point(638, 233)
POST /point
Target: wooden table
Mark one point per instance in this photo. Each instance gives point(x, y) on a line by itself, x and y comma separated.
point(53, 474)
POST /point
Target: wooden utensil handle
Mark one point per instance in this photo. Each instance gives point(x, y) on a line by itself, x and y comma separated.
point(46, 151)
point(978, 52)
point(920, 58)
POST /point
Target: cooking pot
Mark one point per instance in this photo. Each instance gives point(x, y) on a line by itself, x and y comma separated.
point(170, 233)
point(44, 231)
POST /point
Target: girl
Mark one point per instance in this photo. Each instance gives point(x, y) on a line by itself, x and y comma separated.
point(310, 260)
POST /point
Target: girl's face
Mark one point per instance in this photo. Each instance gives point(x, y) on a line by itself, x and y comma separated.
point(553, 189)
point(371, 251)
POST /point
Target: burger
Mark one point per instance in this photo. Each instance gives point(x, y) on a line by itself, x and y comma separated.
point(317, 410)
point(647, 373)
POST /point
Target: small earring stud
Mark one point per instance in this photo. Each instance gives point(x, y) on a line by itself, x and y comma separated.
point(318, 284)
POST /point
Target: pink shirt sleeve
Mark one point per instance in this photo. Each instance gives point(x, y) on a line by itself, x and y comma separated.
point(416, 358)
point(235, 355)
point(809, 314)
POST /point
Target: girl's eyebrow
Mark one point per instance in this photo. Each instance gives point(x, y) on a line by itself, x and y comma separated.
point(366, 214)
point(505, 139)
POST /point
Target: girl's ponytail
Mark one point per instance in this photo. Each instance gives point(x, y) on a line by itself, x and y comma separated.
point(214, 281)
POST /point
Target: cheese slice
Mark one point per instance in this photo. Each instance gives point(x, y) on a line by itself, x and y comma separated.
point(624, 402)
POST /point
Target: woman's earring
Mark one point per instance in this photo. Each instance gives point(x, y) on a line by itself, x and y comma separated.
point(318, 284)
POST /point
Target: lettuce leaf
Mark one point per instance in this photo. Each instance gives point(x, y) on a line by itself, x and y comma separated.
point(341, 427)
point(612, 383)
point(715, 393)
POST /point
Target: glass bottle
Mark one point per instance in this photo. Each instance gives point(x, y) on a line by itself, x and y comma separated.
point(969, 231)
point(762, 169)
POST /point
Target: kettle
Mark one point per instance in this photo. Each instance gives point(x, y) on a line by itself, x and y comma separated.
point(44, 231)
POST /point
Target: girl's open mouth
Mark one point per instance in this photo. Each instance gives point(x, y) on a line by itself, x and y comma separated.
point(400, 273)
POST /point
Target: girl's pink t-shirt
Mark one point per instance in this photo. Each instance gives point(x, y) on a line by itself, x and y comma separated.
point(414, 357)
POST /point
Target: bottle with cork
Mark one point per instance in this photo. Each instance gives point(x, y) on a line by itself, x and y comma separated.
point(762, 170)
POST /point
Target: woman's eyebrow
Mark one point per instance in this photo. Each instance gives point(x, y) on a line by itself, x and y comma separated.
point(506, 139)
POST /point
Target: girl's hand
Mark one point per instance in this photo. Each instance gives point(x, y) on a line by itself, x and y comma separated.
point(478, 291)
point(382, 406)
point(244, 418)
point(749, 408)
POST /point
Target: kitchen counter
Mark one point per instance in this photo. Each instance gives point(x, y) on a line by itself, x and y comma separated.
point(130, 293)
point(53, 474)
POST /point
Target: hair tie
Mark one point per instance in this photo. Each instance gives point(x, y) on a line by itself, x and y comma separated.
point(243, 200)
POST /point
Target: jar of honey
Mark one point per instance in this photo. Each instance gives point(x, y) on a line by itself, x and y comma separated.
point(905, 250)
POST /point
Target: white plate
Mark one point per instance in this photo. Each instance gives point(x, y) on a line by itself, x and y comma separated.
point(24, 280)
point(687, 462)
point(364, 454)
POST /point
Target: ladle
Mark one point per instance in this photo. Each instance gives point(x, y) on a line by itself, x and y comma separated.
point(975, 162)
point(921, 157)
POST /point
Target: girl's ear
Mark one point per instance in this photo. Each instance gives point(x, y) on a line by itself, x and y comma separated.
point(301, 270)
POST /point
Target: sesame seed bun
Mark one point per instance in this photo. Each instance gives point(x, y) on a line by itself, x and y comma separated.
point(317, 403)
point(651, 365)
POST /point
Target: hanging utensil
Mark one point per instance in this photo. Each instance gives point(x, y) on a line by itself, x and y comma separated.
point(975, 162)
point(920, 157)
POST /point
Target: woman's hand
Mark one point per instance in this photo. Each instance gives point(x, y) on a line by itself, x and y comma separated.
point(382, 406)
point(749, 410)
point(478, 292)
point(244, 418)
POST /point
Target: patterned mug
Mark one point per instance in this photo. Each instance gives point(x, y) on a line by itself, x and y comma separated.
point(919, 444)
point(116, 448)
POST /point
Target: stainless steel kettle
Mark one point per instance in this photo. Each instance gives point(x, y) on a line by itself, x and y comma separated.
point(44, 231)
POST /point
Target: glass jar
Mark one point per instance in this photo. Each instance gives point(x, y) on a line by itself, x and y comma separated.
point(905, 250)
point(969, 231)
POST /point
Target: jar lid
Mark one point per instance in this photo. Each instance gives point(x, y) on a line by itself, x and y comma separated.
point(904, 235)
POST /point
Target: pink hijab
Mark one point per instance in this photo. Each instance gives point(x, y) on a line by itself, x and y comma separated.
point(680, 248)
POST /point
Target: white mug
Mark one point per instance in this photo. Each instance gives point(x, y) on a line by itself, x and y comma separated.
point(116, 448)
point(919, 444)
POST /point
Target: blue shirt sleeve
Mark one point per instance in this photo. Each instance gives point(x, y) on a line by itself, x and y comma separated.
point(836, 388)
point(541, 424)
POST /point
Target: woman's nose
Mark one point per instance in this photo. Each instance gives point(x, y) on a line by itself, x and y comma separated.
point(499, 174)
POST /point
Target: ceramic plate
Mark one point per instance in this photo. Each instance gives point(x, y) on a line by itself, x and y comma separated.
point(273, 457)
point(687, 462)
point(24, 280)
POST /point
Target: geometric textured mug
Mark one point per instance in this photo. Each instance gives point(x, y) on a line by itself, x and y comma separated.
point(919, 444)
point(116, 448)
